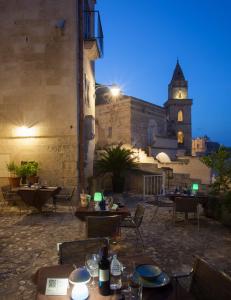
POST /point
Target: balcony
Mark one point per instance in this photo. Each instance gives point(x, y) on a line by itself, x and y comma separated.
point(93, 35)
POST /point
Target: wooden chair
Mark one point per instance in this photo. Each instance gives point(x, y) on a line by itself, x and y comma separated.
point(135, 221)
point(207, 283)
point(103, 226)
point(186, 205)
point(65, 195)
point(74, 252)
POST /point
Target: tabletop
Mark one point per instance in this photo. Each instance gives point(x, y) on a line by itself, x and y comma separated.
point(201, 198)
point(168, 292)
point(83, 212)
point(36, 197)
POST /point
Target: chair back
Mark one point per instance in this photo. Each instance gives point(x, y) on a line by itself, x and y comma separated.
point(5, 191)
point(66, 192)
point(74, 252)
point(186, 204)
point(208, 283)
point(139, 214)
point(103, 226)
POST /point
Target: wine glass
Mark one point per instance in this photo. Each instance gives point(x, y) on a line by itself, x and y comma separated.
point(92, 265)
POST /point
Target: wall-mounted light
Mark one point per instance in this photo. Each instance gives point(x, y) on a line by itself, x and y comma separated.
point(24, 131)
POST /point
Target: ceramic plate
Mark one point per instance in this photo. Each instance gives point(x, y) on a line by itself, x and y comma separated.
point(159, 281)
point(148, 271)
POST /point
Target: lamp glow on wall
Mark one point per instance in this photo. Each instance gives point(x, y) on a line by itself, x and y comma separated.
point(24, 131)
point(114, 90)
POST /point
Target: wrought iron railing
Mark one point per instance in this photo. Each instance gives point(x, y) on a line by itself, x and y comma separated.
point(93, 28)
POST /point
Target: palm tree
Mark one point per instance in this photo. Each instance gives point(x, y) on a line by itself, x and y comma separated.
point(116, 160)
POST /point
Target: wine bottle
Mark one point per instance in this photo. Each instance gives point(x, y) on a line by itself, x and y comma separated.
point(104, 273)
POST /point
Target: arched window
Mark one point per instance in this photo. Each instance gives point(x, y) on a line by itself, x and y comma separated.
point(180, 137)
point(180, 116)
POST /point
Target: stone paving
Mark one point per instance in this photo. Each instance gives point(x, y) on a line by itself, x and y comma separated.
point(28, 242)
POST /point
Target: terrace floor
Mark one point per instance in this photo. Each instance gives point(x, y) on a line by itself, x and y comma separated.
point(28, 242)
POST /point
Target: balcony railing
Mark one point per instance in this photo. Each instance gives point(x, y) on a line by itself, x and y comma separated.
point(93, 31)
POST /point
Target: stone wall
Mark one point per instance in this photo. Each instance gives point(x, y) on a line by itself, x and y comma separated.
point(113, 123)
point(191, 166)
point(148, 121)
point(38, 86)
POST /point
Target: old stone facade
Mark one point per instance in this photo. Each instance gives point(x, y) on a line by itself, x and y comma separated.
point(203, 146)
point(144, 125)
point(39, 86)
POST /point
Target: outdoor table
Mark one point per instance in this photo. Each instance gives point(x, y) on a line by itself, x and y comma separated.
point(83, 212)
point(202, 199)
point(36, 197)
point(168, 292)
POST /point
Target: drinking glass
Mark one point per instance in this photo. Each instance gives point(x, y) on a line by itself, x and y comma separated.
point(135, 289)
point(92, 265)
point(132, 290)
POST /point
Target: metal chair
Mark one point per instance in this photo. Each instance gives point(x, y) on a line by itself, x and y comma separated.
point(207, 283)
point(74, 252)
point(65, 195)
point(135, 221)
point(12, 198)
point(103, 226)
point(186, 205)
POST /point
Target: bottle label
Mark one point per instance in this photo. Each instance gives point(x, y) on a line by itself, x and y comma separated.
point(103, 275)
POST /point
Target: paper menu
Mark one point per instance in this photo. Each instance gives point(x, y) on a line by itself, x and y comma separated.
point(57, 286)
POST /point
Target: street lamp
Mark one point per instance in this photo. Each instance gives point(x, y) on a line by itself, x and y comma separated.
point(113, 89)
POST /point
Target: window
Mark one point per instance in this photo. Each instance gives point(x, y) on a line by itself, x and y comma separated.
point(180, 137)
point(109, 132)
point(180, 116)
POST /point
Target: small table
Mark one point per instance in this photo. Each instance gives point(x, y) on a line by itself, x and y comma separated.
point(202, 199)
point(83, 212)
point(168, 292)
point(36, 197)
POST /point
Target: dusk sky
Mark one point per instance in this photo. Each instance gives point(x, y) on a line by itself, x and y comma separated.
point(142, 41)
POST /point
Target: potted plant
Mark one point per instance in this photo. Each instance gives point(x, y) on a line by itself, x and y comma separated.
point(32, 167)
point(15, 177)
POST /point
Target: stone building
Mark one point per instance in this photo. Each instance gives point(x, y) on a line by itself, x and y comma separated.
point(203, 146)
point(155, 129)
point(160, 136)
point(47, 86)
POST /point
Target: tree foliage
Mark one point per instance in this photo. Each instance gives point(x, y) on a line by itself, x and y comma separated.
point(220, 163)
point(116, 160)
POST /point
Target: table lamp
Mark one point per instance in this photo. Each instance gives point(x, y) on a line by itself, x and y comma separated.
point(98, 196)
point(195, 188)
point(79, 278)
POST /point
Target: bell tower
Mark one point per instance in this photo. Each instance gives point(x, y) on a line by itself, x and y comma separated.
point(178, 110)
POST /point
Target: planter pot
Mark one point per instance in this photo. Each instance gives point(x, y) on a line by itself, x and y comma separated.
point(32, 179)
point(226, 217)
point(14, 181)
point(118, 184)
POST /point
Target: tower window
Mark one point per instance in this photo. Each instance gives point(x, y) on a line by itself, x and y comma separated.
point(179, 94)
point(180, 116)
point(180, 137)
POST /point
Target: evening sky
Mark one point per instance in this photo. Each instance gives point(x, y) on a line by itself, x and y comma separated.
point(142, 41)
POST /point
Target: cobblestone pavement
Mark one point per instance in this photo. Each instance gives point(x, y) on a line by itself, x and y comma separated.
point(28, 242)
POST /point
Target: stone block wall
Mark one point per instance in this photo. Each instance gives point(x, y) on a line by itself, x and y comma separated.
point(113, 123)
point(146, 116)
point(38, 86)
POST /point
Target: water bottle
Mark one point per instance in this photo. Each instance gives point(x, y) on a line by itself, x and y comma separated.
point(116, 270)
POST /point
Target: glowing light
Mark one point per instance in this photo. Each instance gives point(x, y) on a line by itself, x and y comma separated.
point(115, 91)
point(24, 131)
point(163, 157)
